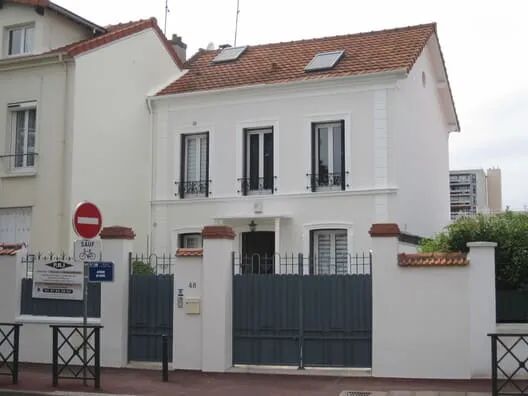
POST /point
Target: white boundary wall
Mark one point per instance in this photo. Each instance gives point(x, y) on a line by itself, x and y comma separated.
point(432, 322)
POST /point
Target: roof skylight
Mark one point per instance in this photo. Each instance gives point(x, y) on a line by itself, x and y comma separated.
point(229, 54)
point(324, 60)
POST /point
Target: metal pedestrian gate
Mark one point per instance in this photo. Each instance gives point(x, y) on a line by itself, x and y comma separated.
point(306, 312)
point(151, 301)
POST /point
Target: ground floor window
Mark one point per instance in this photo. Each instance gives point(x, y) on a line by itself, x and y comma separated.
point(191, 241)
point(329, 252)
point(15, 225)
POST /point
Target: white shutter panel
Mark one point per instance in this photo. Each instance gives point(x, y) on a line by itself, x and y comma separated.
point(192, 171)
point(324, 252)
point(203, 158)
point(341, 252)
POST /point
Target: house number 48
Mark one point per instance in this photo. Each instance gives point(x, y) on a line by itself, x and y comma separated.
point(192, 285)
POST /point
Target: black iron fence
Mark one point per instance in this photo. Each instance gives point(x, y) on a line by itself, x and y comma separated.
point(512, 306)
point(193, 188)
point(326, 180)
point(151, 264)
point(9, 346)
point(19, 160)
point(256, 185)
point(76, 354)
point(509, 359)
point(292, 264)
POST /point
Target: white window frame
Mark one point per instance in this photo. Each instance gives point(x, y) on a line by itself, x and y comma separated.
point(260, 132)
point(27, 29)
point(330, 130)
point(196, 237)
point(13, 110)
point(198, 137)
point(332, 233)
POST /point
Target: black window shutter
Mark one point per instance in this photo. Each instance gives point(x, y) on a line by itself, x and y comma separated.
point(343, 167)
point(311, 261)
point(244, 163)
point(207, 165)
point(181, 186)
point(314, 165)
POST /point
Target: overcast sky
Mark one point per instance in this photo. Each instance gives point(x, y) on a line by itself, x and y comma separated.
point(484, 44)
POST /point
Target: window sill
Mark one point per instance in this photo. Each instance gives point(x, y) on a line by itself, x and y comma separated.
point(20, 173)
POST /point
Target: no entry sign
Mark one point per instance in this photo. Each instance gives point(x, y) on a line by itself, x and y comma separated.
point(87, 220)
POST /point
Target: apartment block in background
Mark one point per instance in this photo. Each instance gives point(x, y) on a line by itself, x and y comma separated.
point(473, 191)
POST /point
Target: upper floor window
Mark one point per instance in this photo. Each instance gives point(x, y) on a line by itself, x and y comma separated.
point(328, 156)
point(258, 162)
point(23, 136)
point(194, 171)
point(20, 40)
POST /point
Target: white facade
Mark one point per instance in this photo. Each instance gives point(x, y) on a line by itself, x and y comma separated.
point(92, 127)
point(395, 133)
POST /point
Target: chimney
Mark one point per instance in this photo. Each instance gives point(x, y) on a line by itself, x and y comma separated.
point(180, 47)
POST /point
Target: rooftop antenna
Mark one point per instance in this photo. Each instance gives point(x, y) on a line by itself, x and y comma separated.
point(166, 15)
point(236, 23)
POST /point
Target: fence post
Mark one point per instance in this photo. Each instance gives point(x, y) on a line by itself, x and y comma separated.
point(217, 321)
point(301, 311)
point(55, 359)
point(117, 245)
point(97, 357)
point(165, 357)
point(16, 347)
point(494, 390)
point(482, 310)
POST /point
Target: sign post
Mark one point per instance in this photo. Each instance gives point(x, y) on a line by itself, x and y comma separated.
point(87, 223)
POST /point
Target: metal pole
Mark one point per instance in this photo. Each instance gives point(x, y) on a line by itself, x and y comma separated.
point(301, 309)
point(15, 353)
point(97, 333)
point(236, 23)
point(494, 382)
point(85, 323)
point(165, 357)
point(55, 353)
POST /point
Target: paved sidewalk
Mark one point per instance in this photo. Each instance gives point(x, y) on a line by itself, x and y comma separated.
point(37, 378)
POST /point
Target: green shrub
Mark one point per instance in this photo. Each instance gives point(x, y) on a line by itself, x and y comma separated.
point(141, 268)
point(509, 230)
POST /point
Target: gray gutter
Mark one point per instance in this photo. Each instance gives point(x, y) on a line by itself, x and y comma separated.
point(76, 18)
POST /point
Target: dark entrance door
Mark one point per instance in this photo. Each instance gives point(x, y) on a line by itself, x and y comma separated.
point(258, 248)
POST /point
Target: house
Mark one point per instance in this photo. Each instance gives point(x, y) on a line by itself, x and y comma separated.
point(74, 121)
point(475, 191)
point(300, 146)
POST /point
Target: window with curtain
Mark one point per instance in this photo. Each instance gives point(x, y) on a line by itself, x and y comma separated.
point(23, 132)
point(328, 156)
point(258, 166)
point(195, 165)
point(20, 40)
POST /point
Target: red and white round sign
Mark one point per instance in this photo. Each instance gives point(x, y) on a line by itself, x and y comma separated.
point(87, 220)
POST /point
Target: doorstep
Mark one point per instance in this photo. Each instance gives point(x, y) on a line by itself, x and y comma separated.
point(291, 370)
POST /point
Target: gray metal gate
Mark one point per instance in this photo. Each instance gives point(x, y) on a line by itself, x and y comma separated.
point(323, 318)
point(151, 291)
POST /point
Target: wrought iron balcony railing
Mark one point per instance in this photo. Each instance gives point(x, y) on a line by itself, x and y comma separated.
point(193, 188)
point(260, 185)
point(19, 162)
point(325, 181)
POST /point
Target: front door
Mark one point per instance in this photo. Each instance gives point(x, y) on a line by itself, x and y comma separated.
point(258, 248)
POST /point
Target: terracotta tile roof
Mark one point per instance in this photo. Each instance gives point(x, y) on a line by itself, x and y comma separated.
point(187, 252)
point(432, 259)
point(10, 249)
point(116, 32)
point(117, 232)
point(218, 232)
point(365, 53)
point(384, 230)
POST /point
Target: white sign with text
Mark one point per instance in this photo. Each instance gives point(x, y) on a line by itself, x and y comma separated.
point(58, 279)
point(87, 250)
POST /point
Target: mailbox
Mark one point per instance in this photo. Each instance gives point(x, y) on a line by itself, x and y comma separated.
point(192, 306)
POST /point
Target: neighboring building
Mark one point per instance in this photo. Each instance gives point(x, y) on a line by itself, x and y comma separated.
point(473, 192)
point(75, 122)
point(301, 146)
